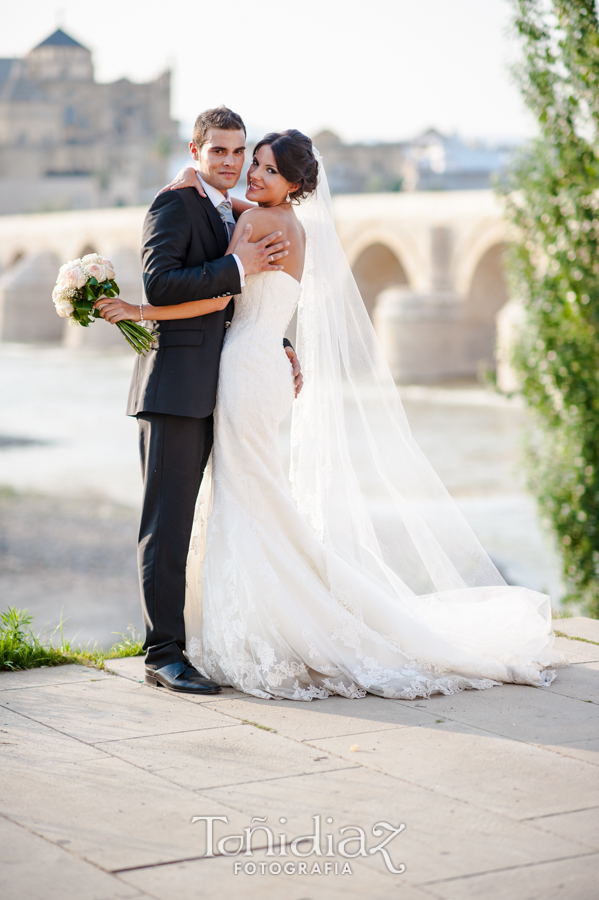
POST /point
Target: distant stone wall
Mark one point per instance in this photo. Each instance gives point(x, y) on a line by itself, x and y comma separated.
point(26, 309)
point(68, 234)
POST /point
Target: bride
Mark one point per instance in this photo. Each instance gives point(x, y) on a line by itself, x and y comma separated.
point(332, 586)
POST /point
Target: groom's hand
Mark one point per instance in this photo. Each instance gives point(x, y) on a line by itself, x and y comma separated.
point(297, 370)
point(259, 256)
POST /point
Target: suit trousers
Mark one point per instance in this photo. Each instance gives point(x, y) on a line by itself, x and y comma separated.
point(174, 451)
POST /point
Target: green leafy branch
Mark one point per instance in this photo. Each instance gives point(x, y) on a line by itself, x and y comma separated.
point(551, 196)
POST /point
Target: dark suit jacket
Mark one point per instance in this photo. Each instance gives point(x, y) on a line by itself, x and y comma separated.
point(183, 247)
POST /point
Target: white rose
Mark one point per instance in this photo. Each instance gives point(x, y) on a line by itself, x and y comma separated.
point(71, 264)
point(64, 308)
point(58, 293)
point(63, 269)
point(74, 277)
point(109, 268)
point(97, 271)
point(91, 258)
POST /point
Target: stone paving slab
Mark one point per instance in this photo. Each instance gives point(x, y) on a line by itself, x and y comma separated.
point(582, 826)
point(560, 880)
point(577, 651)
point(108, 812)
point(323, 718)
point(518, 713)
point(49, 675)
point(230, 754)
point(579, 626)
point(512, 778)
point(580, 681)
point(46, 871)
point(28, 745)
point(113, 709)
point(207, 879)
point(103, 775)
point(131, 667)
point(443, 837)
point(586, 751)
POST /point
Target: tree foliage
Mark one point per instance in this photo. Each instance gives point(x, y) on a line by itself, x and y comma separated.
point(552, 199)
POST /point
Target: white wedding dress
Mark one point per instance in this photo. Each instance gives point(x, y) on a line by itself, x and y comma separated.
point(284, 603)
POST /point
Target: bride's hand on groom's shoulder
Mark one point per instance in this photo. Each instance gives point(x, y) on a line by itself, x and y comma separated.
point(187, 177)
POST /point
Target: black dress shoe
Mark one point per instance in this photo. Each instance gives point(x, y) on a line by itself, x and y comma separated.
point(182, 678)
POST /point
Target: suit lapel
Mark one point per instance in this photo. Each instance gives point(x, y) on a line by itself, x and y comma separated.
point(215, 221)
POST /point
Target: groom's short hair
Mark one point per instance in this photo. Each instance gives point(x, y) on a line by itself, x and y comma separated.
point(220, 117)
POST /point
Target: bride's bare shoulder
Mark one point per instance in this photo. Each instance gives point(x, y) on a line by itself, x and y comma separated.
point(263, 221)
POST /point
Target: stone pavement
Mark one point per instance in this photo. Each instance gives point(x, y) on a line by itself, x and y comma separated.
point(102, 775)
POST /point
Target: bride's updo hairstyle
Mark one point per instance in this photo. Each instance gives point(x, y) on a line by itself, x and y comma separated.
point(295, 160)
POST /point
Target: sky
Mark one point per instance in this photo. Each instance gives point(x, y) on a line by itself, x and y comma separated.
point(369, 70)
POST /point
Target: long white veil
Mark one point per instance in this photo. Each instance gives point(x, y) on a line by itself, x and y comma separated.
point(397, 522)
point(397, 597)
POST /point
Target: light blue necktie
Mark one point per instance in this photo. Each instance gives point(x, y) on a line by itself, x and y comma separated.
point(225, 210)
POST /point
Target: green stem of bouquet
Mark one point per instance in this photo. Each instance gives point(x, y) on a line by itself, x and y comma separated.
point(135, 334)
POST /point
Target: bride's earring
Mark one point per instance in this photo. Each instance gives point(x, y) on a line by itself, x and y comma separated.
point(288, 197)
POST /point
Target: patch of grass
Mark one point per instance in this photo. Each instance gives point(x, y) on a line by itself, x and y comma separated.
point(257, 725)
point(21, 648)
point(571, 637)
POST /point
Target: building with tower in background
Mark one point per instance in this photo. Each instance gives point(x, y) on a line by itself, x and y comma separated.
point(422, 232)
point(68, 142)
point(430, 162)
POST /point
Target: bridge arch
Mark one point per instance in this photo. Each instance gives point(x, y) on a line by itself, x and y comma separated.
point(375, 268)
point(487, 295)
point(471, 247)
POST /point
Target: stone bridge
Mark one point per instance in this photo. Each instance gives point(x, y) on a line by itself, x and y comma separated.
point(428, 264)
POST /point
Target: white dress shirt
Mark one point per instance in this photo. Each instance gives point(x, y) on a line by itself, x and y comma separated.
point(216, 197)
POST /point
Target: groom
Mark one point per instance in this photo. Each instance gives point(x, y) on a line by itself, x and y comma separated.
point(173, 390)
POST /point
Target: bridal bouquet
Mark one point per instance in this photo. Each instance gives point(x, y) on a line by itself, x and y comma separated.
point(80, 283)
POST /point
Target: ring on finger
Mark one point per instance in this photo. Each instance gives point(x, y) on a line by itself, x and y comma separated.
point(271, 258)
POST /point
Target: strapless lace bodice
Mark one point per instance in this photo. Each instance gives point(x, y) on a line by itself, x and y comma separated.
point(255, 382)
point(265, 306)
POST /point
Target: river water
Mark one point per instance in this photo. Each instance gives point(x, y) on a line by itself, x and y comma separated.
point(70, 486)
